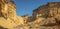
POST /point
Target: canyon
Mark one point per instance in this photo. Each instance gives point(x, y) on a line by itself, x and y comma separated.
point(46, 16)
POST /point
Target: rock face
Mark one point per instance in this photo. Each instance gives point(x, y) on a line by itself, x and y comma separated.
point(50, 15)
point(44, 17)
point(8, 17)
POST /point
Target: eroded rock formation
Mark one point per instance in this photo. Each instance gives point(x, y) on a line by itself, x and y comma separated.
point(8, 17)
point(44, 17)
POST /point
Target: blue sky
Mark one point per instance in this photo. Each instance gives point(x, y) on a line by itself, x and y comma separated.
point(27, 6)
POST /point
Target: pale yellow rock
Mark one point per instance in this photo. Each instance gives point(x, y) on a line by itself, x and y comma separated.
point(39, 20)
point(5, 23)
point(19, 20)
point(8, 18)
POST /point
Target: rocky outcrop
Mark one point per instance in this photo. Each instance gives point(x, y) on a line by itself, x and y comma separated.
point(44, 17)
point(8, 17)
point(50, 13)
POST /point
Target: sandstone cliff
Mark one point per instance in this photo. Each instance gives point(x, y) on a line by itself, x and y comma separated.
point(8, 17)
point(44, 17)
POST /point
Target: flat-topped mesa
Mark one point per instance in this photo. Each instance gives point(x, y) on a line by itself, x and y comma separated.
point(51, 4)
